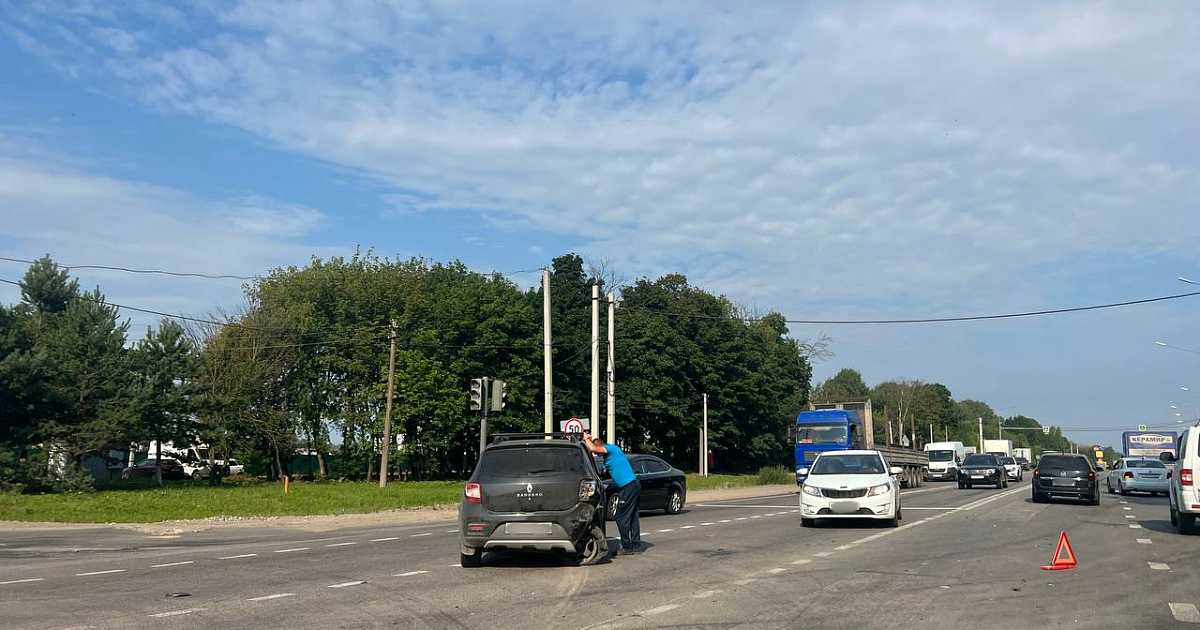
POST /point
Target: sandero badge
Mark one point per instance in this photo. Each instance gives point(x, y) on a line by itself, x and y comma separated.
point(529, 493)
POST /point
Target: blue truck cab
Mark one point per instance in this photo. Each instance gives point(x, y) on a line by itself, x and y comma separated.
point(825, 430)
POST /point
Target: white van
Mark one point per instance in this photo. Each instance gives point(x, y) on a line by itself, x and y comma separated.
point(944, 459)
point(1185, 499)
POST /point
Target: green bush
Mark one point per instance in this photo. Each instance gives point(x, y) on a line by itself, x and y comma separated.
point(768, 475)
point(28, 473)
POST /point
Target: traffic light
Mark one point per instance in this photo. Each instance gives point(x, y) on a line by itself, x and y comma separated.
point(499, 396)
point(476, 394)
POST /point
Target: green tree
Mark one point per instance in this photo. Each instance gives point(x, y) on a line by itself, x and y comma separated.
point(846, 385)
point(165, 372)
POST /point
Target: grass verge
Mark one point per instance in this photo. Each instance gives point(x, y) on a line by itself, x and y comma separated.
point(190, 500)
point(718, 482)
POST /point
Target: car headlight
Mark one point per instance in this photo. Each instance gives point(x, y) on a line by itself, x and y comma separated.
point(878, 490)
point(813, 490)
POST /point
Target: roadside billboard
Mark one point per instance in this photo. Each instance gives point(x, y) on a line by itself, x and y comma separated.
point(1149, 443)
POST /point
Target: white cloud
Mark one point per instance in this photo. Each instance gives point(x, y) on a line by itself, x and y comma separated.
point(887, 151)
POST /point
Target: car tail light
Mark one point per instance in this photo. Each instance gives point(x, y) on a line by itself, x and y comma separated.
point(475, 527)
point(1185, 476)
point(587, 488)
point(1037, 472)
point(1129, 475)
point(1091, 474)
point(473, 493)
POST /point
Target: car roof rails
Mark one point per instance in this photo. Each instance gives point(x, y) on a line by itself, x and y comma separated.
point(497, 438)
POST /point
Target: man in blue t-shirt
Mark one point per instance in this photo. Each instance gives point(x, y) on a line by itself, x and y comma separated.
point(629, 492)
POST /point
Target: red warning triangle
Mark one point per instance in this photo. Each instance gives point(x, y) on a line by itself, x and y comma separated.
point(1064, 556)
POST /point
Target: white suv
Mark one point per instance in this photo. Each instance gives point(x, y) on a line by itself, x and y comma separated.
point(1185, 498)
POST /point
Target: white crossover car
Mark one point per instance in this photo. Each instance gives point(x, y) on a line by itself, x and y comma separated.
point(850, 484)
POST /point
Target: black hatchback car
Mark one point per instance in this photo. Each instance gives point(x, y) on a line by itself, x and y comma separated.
point(530, 493)
point(1065, 475)
point(664, 487)
point(982, 469)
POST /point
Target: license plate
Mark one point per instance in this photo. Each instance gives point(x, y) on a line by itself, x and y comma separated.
point(1065, 482)
point(528, 529)
point(843, 507)
point(1149, 477)
point(977, 476)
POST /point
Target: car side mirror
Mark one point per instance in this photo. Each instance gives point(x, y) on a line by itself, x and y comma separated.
point(896, 470)
point(803, 472)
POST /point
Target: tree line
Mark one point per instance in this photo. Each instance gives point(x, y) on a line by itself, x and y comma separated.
point(302, 367)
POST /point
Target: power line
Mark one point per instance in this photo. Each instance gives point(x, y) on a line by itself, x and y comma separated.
point(178, 274)
point(926, 320)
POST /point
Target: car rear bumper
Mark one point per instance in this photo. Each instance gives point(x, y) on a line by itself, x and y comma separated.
point(1080, 490)
point(535, 531)
point(1143, 485)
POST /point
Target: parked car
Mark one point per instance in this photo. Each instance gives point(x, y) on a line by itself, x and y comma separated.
point(530, 493)
point(850, 484)
point(664, 487)
point(171, 469)
point(199, 470)
point(1012, 468)
point(982, 469)
point(1065, 475)
point(1185, 500)
point(1137, 474)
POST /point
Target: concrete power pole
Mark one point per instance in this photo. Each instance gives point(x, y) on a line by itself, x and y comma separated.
point(981, 434)
point(548, 365)
point(595, 420)
point(611, 433)
point(704, 440)
point(387, 416)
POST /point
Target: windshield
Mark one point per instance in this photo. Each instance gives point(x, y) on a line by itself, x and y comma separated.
point(980, 460)
point(1144, 463)
point(941, 456)
point(848, 465)
point(1007, 461)
point(821, 434)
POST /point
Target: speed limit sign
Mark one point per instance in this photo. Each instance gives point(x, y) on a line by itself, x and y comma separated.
point(575, 425)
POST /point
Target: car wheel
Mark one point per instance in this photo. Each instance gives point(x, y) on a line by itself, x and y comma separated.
point(1174, 517)
point(1037, 498)
point(594, 549)
point(1121, 487)
point(969, 486)
point(675, 502)
point(196, 476)
point(1108, 484)
point(1187, 523)
point(807, 522)
point(611, 509)
point(471, 560)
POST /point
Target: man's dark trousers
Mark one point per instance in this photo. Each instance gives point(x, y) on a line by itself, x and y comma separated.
point(629, 500)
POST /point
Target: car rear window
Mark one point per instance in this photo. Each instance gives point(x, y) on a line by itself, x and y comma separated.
point(1063, 461)
point(510, 463)
point(1144, 463)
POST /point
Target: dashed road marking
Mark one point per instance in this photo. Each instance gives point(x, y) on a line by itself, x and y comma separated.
point(450, 531)
point(706, 523)
point(420, 535)
point(948, 509)
point(1159, 566)
point(171, 564)
point(1145, 541)
point(1186, 613)
point(823, 554)
point(1126, 508)
point(845, 547)
point(245, 555)
point(1134, 526)
point(22, 581)
point(744, 582)
point(1124, 502)
point(292, 549)
point(741, 506)
point(100, 572)
point(723, 521)
point(1130, 516)
point(175, 613)
point(385, 539)
point(705, 594)
point(409, 574)
point(345, 544)
point(266, 597)
point(740, 518)
point(658, 610)
point(776, 571)
point(663, 531)
point(756, 516)
point(345, 584)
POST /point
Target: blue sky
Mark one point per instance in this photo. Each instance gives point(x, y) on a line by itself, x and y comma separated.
point(828, 160)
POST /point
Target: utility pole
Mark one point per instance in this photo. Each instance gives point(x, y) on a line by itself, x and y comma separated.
point(611, 433)
point(596, 356)
point(887, 419)
point(704, 440)
point(1000, 429)
point(548, 363)
point(981, 434)
point(387, 416)
point(930, 432)
point(947, 429)
point(487, 402)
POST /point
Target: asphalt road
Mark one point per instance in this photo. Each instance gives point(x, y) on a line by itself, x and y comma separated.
point(962, 558)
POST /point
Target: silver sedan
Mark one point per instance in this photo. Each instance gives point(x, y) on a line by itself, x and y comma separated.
point(1137, 474)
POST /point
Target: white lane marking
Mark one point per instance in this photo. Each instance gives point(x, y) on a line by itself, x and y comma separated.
point(345, 584)
point(345, 544)
point(1186, 613)
point(1126, 508)
point(383, 539)
point(451, 531)
point(173, 613)
point(1124, 502)
point(245, 555)
point(706, 523)
point(1135, 526)
point(100, 572)
point(409, 574)
point(293, 549)
point(1145, 541)
point(719, 505)
point(663, 531)
point(171, 564)
point(757, 516)
point(658, 610)
point(1159, 566)
point(1130, 516)
point(740, 518)
point(931, 508)
point(78, 628)
point(723, 520)
point(266, 597)
point(420, 535)
point(823, 554)
point(22, 581)
point(776, 571)
point(688, 527)
point(802, 561)
point(744, 582)
point(705, 594)
point(845, 547)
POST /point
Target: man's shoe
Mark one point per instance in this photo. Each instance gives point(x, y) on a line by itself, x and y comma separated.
point(631, 551)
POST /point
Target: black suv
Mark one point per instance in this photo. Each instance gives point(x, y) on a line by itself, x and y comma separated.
point(534, 492)
point(1065, 475)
